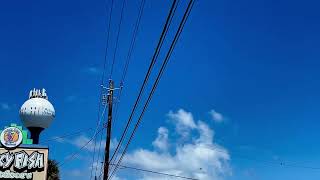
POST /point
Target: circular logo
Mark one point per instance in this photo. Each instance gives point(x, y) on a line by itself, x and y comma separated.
point(11, 137)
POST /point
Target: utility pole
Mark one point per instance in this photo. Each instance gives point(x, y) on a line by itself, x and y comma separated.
point(109, 125)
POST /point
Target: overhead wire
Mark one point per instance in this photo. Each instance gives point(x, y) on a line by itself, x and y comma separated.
point(102, 79)
point(155, 172)
point(91, 139)
point(117, 40)
point(133, 41)
point(282, 163)
point(75, 154)
point(67, 135)
point(130, 51)
point(98, 125)
point(170, 51)
point(103, 75)
point(172, 46)
point(99, 150)
point(234, 154)
point(278, 163)
point(107, 41)
point(153, 61)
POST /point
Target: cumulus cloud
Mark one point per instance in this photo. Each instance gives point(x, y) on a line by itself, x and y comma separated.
point(216, 116)
point(182, 118)
point(199, 157)
point(183, 121)
point(161, 142)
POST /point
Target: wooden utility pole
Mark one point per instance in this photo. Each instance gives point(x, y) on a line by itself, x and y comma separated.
point(109, 125)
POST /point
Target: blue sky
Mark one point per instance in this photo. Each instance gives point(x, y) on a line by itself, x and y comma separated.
point(256, 63)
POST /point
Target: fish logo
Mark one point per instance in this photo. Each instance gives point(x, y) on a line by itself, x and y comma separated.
point(11, 137)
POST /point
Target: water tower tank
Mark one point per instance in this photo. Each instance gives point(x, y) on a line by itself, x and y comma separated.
point(37, 113)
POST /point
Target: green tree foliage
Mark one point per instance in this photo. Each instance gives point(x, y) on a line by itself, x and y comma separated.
point(53, 170)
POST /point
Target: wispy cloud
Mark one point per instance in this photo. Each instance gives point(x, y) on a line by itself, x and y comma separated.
point(59, 139)
point(216, 116)
point(82, 141)
point(92, 70)
point(76, 173)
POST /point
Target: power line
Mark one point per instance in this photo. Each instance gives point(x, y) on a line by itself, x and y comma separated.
point(117, 40)
point(102, 80)
point(92, 138)
point(67, 135)
point(153, 61)
point(107, 43)
point(75, 154)
point(155, 172)
point(130, 51)
point(278, 163)
point(233, 153)
point(98, 125)
point(99, 150)
point(176, 37)
point(133, 40)
point(282, 163)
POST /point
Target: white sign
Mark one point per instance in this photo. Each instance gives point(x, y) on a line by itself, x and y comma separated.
point(21, 161)
point(11, 137)
point(25, 162)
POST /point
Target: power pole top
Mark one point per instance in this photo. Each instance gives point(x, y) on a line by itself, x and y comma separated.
point(109, 127)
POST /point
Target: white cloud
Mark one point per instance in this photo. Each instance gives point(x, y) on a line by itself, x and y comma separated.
point(161, 142)
point(199, 158)
point(113, 144)
point(183, 121)
point(83, 140)
point(216, 116)
point(206, 134)
point(182, 118)
point(196, 157)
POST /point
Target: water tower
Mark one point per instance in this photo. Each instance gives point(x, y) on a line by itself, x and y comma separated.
point(37, 113)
